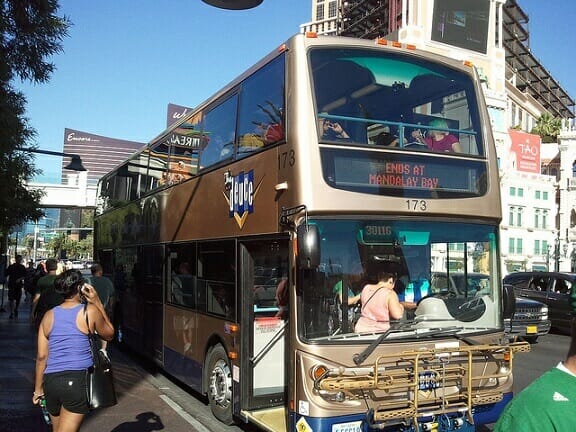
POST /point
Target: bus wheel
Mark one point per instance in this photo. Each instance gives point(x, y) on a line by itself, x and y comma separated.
point(220, 384)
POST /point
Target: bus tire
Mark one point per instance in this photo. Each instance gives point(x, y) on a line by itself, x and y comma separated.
point(219, 375)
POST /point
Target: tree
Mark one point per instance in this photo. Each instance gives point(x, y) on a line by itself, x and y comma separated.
point(30, 33)
point(86, 247)
point(547, 127)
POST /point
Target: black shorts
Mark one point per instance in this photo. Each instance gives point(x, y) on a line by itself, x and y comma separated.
point(66, 389)
point(15, 293)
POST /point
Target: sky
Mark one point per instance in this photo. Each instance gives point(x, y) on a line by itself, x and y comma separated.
point(123, 62)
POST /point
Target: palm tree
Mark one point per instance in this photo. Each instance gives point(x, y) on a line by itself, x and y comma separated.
point(547, 127)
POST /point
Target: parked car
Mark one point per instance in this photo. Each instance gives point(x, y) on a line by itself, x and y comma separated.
point(77, 265)
point(530, 319)
point(551, 288)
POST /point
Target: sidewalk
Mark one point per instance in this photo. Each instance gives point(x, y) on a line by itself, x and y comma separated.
point(141, 404)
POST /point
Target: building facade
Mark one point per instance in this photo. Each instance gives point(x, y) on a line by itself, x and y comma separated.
point(539, 220)
point(99, 154)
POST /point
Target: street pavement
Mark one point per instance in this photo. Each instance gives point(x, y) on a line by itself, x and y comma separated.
point(145, 402)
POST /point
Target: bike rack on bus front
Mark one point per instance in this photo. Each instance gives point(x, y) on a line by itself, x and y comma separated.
point(420, 384)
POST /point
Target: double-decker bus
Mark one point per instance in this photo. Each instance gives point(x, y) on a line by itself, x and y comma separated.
point(238, 237)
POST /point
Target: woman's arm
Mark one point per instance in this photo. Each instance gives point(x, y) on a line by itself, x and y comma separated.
point(456, 147)
point(99, 321)
point(352, 300)
point(34, 305)
point(41, 359)
point(395, 309)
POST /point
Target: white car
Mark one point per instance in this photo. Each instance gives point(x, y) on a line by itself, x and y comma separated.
point(77, 265)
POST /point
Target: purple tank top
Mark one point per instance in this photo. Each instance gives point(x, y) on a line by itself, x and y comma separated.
point(68, 347)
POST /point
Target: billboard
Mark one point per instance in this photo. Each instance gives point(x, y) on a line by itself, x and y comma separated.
point(175, 113)
point(461, 23)
point(525, 149)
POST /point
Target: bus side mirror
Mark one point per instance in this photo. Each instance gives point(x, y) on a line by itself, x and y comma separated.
point(508, 301)
point(308, 246)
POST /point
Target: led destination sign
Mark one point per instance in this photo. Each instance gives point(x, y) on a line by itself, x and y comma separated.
point(419, 175)
point(403, 174)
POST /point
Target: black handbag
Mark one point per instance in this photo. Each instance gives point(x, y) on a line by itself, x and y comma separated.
point(99, 379)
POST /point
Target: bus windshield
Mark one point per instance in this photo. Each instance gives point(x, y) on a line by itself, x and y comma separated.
point(374, 97)
point(446, 277)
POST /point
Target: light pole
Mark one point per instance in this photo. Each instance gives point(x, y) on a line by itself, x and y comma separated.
point(37, 230)
point(233, 4)
point(75, 162)
point(74, 165)
point(557, 254)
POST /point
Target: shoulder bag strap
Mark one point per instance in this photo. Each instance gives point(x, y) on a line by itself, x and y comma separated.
point(86, 317)
point(90, 334)
point(370, 298)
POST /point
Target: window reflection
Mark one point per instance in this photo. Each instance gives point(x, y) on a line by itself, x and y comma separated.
point(219, 128)
point(261, 116)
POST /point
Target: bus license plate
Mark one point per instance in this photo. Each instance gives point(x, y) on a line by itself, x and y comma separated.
point(347, 427)
point(531, 329)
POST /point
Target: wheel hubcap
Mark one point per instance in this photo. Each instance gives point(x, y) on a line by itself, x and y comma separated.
point(221, 384)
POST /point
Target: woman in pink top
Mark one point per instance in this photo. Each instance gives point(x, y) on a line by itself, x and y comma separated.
point(439, 140)
point(379, 304)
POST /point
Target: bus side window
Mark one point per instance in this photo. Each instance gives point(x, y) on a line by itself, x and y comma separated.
point(219, 123)
point(216, 278)
point(158, 165)
point(185, 142)
point(217, 296)
point(261, 112)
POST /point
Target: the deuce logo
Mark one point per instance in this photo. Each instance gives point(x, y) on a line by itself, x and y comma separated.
point(241, 192)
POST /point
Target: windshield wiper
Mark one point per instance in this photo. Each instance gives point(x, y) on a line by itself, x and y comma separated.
point(436, 332)
point(452, 331)
point(359, 358)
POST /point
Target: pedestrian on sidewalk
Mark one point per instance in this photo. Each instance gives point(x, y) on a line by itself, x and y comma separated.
point(105, 289)
point(45, 297)
point(16, 274)
point(29, 282)
point(549, 403)
point(64, 353)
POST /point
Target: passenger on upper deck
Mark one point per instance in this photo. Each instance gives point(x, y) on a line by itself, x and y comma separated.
point(438, 140)
point(332, 130)
point(387, 138)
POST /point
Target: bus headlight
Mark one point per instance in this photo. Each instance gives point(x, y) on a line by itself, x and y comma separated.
point(329, 396)
point(318, 372)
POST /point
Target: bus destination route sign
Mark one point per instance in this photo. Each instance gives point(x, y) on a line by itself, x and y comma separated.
point(387, 173)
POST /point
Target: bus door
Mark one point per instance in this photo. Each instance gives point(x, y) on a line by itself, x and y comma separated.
point(264, 320)
point(151, 290)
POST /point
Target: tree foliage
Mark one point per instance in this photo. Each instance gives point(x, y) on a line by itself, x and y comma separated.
point(548, 127)
point(73, 248)
point(30, 33)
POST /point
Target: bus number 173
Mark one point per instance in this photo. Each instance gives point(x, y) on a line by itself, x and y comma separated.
point(417, 205)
